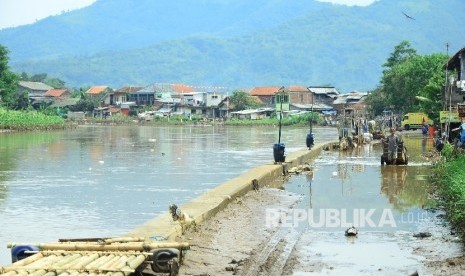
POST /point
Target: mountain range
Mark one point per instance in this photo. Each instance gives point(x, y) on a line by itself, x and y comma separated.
point(232, 43)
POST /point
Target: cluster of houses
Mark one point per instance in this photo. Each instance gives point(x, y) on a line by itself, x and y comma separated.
point(207, 102)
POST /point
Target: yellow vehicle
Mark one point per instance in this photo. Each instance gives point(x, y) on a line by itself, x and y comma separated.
point(415, 120)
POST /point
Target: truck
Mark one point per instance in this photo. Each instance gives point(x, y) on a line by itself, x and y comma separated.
point(415, 120)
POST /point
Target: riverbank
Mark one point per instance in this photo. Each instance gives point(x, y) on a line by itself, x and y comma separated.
point(448, 176)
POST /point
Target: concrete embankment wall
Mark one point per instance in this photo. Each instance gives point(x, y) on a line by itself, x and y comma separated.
point(216, 199)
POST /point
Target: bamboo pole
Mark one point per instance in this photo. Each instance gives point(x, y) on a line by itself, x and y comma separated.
point(138, 260)
point(123, 262)
point(99, 262)
point(124, 239)
point(85, 260)
point(109, 247)
point(111, 263)
point(27, 261)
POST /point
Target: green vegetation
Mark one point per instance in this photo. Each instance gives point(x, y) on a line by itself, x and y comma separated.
point(8, 80)
point(410, 83)
point(241, 100)
point(42, 77)
point(448, 176)
point(22, 120)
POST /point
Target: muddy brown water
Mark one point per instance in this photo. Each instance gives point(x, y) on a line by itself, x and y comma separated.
point(103, 181)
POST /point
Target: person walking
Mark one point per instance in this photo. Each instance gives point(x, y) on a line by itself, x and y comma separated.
point(392, 142)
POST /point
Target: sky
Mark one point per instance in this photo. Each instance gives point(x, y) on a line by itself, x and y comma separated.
point(15, 13)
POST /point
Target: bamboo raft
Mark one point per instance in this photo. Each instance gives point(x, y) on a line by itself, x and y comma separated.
point(114, 256)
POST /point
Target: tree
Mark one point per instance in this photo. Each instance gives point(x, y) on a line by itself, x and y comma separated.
point(410, 83)
point(377, 102)
point(8, 80)
point(417, 76)
point(402, 52)
point(241, 100)
point(43, 77)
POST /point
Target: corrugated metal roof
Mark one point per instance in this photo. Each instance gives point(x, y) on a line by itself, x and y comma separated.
point(129, 89)
point(323, 90)
point(315, 106)
point(35, 85)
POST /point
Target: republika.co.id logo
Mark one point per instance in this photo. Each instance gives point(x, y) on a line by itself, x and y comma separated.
point(319, 218)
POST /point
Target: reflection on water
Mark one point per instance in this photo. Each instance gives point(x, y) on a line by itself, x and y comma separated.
point(353, 183)
point(104, 181)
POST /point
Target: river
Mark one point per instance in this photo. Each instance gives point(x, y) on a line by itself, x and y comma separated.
point(102, 181)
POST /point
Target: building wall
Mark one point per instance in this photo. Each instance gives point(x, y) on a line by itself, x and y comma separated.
point(301, 97)
point(268, 100)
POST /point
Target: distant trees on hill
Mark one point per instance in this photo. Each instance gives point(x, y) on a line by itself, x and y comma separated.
point(407, 78)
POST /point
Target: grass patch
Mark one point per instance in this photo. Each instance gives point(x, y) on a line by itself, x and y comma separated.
point(448, 175)
point(28, 120)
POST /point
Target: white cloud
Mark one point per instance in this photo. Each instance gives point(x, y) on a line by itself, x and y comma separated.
point(21, 12)
point(350, 2)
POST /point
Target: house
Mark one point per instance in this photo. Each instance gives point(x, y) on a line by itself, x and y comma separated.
point(323, 94)
point(205, 104)
point(266, 94)
point(292, 95)
point(224, 108)
point(454, 94)
point(352, 103)
point(158, 91)
point(58, 93)
point(299, 95)
point(104, 94)
point(122, 94)
point(35, 90)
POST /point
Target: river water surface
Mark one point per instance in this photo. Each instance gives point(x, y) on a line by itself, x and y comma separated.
point(102, 181)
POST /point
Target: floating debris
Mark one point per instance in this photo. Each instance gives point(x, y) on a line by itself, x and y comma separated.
point(422, 235)
point(306, 169)
point(351, 231)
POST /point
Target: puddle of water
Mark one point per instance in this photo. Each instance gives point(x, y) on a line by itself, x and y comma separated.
point(388, 204)
point(352, 188)
point(374, 254)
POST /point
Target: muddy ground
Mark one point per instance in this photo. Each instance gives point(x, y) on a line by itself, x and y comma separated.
point(237, 241)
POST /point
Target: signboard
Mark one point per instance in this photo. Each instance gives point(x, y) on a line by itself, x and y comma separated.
point(444, 117)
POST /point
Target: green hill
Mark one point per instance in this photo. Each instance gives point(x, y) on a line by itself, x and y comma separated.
point(232, 43)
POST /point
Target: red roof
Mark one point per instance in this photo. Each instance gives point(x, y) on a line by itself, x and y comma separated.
point(96, 89)
point(182, 88)
point(297, 88)
point(55, 92)
point(264, 91)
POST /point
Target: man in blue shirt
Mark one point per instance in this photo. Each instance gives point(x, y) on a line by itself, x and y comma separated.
point(462, 133)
